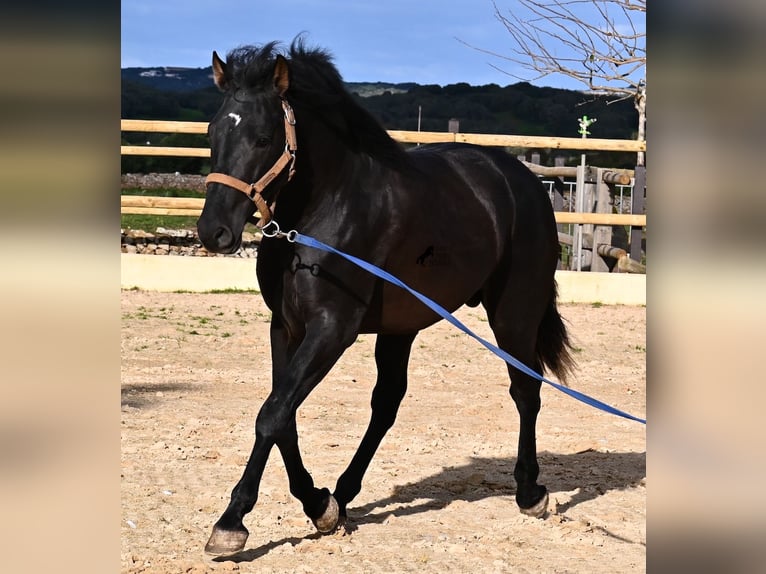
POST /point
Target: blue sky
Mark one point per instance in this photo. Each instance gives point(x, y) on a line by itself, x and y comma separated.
point(387, 41)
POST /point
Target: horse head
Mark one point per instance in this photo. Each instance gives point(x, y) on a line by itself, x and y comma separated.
point(252, 146)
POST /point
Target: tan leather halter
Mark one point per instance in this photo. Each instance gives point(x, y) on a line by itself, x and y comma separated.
point(254, 190)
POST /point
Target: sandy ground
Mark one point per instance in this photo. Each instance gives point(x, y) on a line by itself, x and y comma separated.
point(438, 496)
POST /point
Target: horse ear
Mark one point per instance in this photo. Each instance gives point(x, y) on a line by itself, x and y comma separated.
point(281, 76)
point(219, 72)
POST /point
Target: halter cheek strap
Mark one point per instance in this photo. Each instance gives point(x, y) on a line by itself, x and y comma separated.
point(255, 189)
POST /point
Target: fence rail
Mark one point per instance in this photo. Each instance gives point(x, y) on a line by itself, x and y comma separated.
point(587, 144)
point(139, 204)
point(193, 206)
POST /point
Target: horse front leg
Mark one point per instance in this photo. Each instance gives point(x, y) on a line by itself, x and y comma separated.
point(318, 503)
point(295, 377)
point(392, 354)
point(229, 534)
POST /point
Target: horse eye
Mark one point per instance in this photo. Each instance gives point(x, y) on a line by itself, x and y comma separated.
point(262, 142)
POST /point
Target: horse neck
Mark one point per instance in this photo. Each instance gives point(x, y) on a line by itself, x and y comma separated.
point(332, 165)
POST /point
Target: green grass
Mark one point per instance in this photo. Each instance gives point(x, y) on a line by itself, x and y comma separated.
point(142, 314)
point(151, 222)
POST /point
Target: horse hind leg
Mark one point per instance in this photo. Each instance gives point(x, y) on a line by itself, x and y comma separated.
point(392, 353)
point(531, 497)
point(517, 317)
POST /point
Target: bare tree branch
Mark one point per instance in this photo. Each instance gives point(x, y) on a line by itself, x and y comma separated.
point(600, 43)
point(608, 58)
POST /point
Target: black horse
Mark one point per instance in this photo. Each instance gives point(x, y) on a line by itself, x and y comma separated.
point(330, 171)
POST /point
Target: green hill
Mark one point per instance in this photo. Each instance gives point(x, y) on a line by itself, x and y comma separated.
point(520, 109)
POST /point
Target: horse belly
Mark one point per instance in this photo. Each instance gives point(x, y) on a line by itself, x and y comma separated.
point(394, 310)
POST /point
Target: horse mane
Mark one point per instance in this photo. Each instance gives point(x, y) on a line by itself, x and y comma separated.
point(317, 87)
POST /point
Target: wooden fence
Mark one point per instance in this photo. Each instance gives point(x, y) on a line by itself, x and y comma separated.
point(588, 144)
point(596, 218)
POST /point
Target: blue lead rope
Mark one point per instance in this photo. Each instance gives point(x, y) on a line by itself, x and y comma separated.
point(296, 237)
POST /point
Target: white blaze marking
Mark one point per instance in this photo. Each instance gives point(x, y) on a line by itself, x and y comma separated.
point(236, 117)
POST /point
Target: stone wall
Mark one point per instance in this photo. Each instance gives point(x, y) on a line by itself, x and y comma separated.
point(183, 242)
point(163, 181)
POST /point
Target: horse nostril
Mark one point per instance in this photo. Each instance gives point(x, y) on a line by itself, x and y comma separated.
point(215, 238)
point(223, 237)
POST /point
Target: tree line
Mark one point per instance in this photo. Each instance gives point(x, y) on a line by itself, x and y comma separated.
point(519, 109)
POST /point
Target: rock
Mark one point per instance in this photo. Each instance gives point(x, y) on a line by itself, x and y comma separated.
point(138, 234)
point(183, 233)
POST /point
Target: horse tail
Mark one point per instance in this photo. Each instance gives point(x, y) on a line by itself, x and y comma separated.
point(553, 349)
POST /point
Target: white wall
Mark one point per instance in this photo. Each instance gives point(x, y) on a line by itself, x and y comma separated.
point(171, 273)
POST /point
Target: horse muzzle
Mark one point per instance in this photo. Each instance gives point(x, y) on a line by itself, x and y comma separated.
point(217, 237)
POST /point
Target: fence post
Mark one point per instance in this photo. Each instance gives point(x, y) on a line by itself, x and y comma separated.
point(602, 234)
point(637, 208)
point(585, 202)
point(558, 205)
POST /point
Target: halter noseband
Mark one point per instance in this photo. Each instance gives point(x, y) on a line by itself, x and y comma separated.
point(254, 190)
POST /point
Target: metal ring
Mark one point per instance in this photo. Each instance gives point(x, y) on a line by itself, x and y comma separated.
point(267, 231)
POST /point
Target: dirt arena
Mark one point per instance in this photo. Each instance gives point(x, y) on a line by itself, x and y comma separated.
point(439, 495)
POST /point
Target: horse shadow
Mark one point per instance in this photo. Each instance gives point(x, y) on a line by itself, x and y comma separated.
point(590, 473)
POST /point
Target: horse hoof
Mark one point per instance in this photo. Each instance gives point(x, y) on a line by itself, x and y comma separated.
point(328, 522)
point(224, 542)
point(538, 509)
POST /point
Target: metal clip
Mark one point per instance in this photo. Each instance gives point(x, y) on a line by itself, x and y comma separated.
point(289, 114)
point(271, 229)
